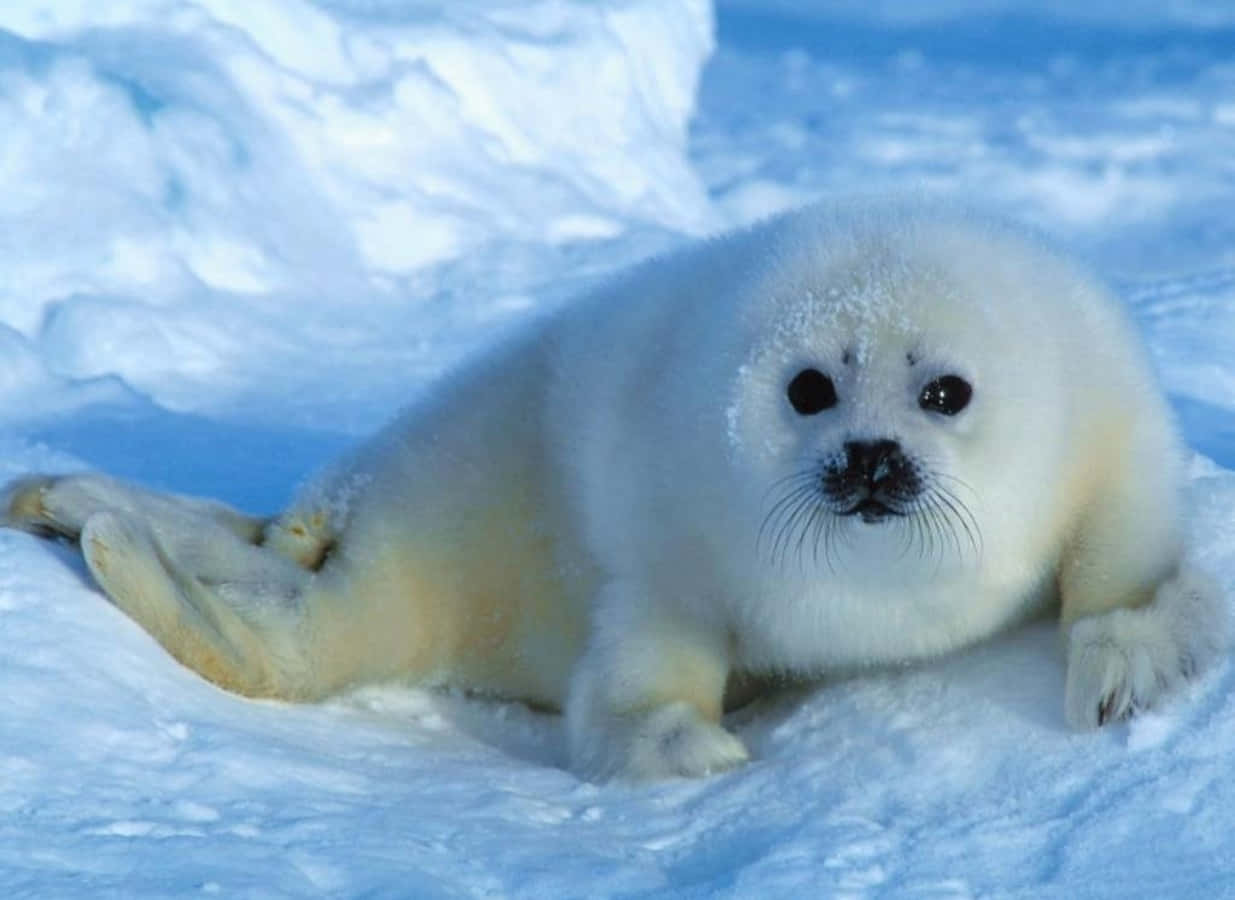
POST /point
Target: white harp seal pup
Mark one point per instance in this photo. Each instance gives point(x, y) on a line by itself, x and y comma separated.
point(852, 435)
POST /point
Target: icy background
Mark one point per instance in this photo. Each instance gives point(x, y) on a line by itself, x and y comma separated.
point(235, 236)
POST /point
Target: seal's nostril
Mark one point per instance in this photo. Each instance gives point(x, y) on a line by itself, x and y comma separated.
point(873, 461)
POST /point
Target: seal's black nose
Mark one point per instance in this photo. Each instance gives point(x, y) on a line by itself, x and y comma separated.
point(874, 463)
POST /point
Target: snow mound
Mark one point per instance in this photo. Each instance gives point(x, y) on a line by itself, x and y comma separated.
point(280, 162)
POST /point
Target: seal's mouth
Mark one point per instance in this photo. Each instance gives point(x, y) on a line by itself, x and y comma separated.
point(885, 493)
point(872, 511)
point(873, 479)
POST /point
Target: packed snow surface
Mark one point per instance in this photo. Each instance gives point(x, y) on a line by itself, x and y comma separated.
point(238, 235)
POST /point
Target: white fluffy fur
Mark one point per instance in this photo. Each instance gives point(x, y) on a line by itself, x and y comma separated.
point(575, 517)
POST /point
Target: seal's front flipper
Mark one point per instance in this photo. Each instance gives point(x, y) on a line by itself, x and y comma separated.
point(1127, 660)
point(646, 704)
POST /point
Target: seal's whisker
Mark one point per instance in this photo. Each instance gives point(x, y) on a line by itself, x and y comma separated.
point(804, 486)
point(795, 505)
point(940, 530)
point(934, 518)
point(928, 518)
point(964, 517)
point(817, 510)
point(806, 507)
point(823, 521)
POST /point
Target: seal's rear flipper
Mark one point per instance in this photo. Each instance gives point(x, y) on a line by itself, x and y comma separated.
point(228, 610)
point(59, 505)
point(126, 562)
point(189, 571)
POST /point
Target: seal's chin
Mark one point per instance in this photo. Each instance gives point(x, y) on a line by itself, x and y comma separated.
point(872, 511)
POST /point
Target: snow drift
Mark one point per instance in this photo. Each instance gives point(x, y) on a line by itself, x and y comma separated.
point(285, 163)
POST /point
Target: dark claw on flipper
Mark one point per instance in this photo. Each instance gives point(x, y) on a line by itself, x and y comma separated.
point(1105, 709)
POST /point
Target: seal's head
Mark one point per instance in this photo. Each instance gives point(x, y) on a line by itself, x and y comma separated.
point(875, 464)
point(889, 400)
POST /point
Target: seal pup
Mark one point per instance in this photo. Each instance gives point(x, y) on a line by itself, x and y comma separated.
point(852, 435)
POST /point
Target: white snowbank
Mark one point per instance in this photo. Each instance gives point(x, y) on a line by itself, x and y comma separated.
point(282, 163)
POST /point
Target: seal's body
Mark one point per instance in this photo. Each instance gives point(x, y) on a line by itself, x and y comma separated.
point(847, 436)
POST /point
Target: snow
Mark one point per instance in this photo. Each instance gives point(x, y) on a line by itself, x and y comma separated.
point(284, 163)
point(236, 236)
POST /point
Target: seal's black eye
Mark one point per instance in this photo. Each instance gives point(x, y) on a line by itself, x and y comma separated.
point(947, 395)
point(811, 392)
